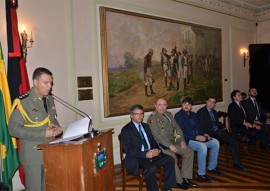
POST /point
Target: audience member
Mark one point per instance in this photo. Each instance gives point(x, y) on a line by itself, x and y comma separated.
point(198, 140)
point(171, 140)
point(254, 108)
point(143, 152)
point(241, 124)
point(244, 95)
point(208, 119)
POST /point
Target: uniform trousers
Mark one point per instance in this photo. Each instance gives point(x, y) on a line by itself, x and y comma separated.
point(187, 162)
point(34, 177)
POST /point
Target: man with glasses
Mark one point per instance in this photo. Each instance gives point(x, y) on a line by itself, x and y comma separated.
point(209, 122)
point(171, 140)
point(143, 152)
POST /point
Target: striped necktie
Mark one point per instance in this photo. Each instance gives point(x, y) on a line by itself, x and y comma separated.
point(145, 145)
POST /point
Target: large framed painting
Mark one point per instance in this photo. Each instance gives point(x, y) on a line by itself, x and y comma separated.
point(147, 57)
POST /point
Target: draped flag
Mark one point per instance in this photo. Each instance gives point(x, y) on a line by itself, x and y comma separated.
point(10, 159)
point(17, 72)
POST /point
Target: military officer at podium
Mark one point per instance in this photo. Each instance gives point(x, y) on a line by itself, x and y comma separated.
point(33, 121)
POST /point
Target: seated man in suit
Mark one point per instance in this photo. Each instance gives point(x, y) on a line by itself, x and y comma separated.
point(254, 109)
point(171, 140)
point(143, 152)
point(241, 124)
point(198, 140)
point(208, 119)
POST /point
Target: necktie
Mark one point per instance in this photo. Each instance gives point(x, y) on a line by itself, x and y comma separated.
point(213, 120)
point(242, 109)
point(257, 109)
point(145, 145)
point(45, 104)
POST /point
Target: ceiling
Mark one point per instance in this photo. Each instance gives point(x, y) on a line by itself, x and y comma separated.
point(255, 3)
point(253, 10)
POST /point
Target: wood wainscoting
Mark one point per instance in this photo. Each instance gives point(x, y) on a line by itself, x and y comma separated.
point(232, 180)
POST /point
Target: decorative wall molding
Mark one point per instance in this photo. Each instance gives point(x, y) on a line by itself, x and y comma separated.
point(233, 8)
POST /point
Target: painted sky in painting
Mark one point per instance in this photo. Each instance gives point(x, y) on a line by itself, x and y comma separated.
point(128, 33)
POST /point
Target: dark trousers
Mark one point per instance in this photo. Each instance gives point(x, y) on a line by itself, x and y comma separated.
point(149, 167)
point(229, 139)
point(254, 134)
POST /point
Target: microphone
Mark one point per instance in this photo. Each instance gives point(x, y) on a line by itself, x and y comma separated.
point(91, 133)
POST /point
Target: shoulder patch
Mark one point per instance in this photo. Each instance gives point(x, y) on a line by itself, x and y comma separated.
point(21, 97)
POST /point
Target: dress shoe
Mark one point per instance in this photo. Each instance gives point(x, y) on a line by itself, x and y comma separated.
point(182, 186)
point(188, 183)
point(204, 178)
point(240, 167)
point(215, 171)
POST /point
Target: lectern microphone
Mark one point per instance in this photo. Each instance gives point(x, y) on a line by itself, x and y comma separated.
point(91, 131)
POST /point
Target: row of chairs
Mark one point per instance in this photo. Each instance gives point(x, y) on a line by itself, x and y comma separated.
point(223, 116)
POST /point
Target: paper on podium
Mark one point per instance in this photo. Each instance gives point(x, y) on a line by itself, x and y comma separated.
point(74, 130)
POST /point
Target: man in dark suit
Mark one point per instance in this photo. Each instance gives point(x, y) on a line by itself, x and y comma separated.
point(241, 124)
point(208, 119)
point(254, 109)
point(143, 152)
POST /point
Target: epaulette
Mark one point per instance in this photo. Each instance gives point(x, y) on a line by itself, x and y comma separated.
point(153, 113)
point(21, 97)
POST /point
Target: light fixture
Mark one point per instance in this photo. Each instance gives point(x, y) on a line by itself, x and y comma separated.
point(245, 55)
point(24, 41)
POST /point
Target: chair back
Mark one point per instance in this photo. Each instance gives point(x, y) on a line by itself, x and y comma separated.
point(122, 152)
point(225, 120)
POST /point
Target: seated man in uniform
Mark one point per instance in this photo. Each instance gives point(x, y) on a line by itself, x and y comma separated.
point(164, 128)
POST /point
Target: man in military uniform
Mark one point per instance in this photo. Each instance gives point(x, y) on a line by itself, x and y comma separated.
point(170, 137)
point(33, 121)
point(148, 77)
point(165, 65)
point(185, 62)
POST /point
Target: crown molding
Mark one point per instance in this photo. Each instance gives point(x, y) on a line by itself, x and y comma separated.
point(233, 8)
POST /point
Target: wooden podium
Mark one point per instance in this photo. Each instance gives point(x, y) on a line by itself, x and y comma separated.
point(82, 165)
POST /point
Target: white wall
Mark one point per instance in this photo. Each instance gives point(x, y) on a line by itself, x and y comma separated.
point(263, 30)
point(66, 35)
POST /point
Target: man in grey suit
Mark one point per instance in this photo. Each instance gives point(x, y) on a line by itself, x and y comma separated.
point(170, 137)
point(33, 121)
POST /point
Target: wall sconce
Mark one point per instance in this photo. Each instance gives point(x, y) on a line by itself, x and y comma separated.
point(245, 55)
point(24, 42)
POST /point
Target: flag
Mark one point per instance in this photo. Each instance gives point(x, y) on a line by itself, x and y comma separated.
point(17, 72)
point(10, 159)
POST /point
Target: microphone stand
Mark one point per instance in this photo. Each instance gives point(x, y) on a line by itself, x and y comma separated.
point(79, 112)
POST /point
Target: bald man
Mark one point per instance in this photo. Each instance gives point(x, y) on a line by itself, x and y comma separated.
point(170, 137)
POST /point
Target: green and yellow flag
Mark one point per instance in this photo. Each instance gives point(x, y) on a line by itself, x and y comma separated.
point(9, 155)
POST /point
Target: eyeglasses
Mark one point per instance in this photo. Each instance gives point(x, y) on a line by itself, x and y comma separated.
point(138, 114)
